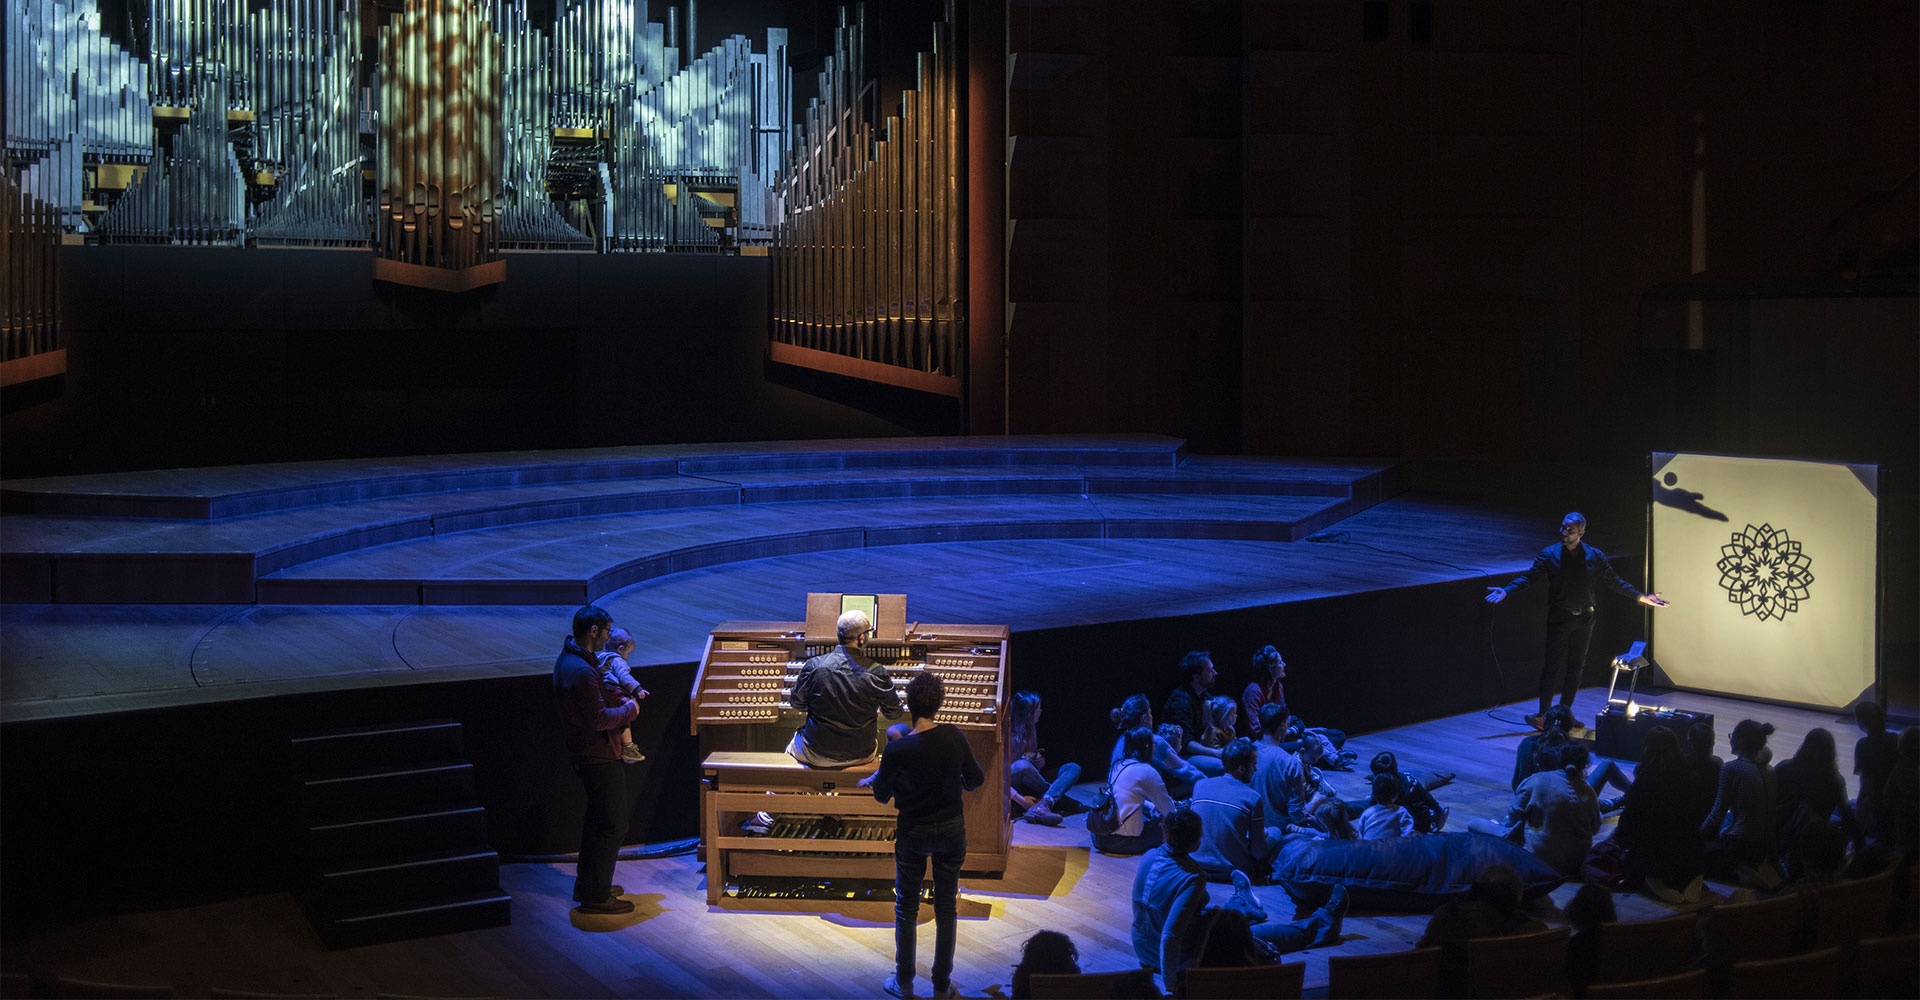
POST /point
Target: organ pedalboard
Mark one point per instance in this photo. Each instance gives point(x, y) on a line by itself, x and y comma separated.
point(824, 824)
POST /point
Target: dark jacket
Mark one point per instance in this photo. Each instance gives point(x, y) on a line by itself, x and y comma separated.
point(1571, 581)
point(840, 691)
point(591, 714)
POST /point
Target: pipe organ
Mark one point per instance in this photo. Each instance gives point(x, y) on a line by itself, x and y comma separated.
point(825, 825)
point(868, 258)
point(602, 130)
point(439, 137)
point(30, 346)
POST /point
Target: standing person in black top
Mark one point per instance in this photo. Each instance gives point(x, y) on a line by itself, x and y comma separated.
point(1573, 569)
point(593, 714)
point(923, 773)
point(840, 690)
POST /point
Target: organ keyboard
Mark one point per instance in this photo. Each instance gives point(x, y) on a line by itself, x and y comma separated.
point(825, 825)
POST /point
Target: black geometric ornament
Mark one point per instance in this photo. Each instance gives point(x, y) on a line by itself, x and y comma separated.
point(1765, 572)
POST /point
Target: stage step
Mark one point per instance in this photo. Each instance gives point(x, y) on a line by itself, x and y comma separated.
point(468, 912)
point(395, 841)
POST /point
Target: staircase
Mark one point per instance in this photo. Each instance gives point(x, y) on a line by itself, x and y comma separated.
point(396, 844)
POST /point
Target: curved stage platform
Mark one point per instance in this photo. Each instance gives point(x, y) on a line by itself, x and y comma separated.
point(165, 632)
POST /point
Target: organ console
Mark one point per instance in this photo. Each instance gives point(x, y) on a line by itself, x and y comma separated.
point(825, 825)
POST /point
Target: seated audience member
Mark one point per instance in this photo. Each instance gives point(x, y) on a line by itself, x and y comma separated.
point(1221, 715)
point(1170, 897)
point(1048, 953)
point(1169, 893)
point(1658, 827)
point(1559, 729)
point(1031, 795)
point(1873, 757)
point(1821, 848)
point(1902, 798)
point(1490, 908)
point(1269, 669)
point(1186, 707)
point(1703, 767)
point(1386, 817)
point(1739, 829)
point(1554, 810)
point(1175, 772)
point(1429, 816)
point(1808, 787)
point(1335, 823)
point(1237, 835)
point(1586, 911)
point(1226, 938)
point(1278, 775)
point(1139, 796)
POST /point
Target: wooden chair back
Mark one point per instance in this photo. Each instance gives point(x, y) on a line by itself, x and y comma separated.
point(1391, 974)
point(1518, 965)
point(1813, 974)
point(1745, 932)
point(1088, 985)
point(67, 986)
point(1886, 967)
point(1846, 912)
point(1644, 949)
point(1689, 985)
point(1270, 982)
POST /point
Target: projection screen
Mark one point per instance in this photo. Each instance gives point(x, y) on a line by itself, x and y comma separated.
point(1772, 569)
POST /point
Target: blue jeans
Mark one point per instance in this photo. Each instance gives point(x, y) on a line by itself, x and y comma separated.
point(1027, 780)
point(946, 844)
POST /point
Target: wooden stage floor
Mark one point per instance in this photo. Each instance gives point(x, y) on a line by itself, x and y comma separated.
point(675, 945)
point(323, 576)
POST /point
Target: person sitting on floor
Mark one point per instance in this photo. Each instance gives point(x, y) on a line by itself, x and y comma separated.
point(1139, 796)
point(1278, 775)
point(1238, 837)
point(1028, 790)
point(1186, 707)
point(1809, 787)
point(1554, 811)
point(1739, 829)
point(1170, 895)
point(1559, 729)
point(1175, 772)
point(1429, 816)
point(1658, 827)
point(1386, 817)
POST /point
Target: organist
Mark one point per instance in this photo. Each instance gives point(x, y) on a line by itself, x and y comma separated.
point(840, 691)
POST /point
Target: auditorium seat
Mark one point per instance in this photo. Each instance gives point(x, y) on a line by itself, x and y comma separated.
point(1093, 985)
point(1884, 967)
point(1517, 965)
point(1689, 985)
point(1414, 973)
point(1741, 932)
point(67, 986)
point(1846, 912)
point(1644, 949)
point(1271, 982)
point(1814, 974)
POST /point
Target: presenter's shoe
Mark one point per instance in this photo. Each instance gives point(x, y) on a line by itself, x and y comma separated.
point(630, 754)
point(611, 904)
point(614, 891)
point(949, 993)
point(894, 989)
point(1337, 909)
point(1538, 722)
